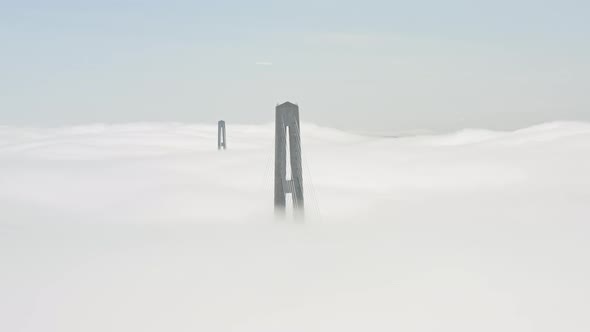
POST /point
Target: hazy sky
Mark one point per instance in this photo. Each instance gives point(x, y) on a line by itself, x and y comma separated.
point(364, 65)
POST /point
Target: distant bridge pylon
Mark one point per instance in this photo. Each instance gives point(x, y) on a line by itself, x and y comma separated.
point(221, 136)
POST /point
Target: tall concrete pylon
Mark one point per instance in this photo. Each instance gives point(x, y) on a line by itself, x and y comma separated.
point(221, 136)
point(287, 131)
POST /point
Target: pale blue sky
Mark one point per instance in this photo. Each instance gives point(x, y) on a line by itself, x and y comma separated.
point(363, 65)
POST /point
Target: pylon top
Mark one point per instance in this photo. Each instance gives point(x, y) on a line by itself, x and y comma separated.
point(288, 103)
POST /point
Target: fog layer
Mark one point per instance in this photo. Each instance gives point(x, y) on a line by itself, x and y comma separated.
point(147, 227)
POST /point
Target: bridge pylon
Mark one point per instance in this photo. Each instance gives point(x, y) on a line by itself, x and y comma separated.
point(288, 180)
point(221, 136)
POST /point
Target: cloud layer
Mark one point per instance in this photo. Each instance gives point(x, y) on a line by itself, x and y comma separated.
point(148, 227)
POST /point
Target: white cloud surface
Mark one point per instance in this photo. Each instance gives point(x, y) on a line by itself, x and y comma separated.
point(147, 227)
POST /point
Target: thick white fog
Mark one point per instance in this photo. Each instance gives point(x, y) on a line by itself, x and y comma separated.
point(147, 227)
